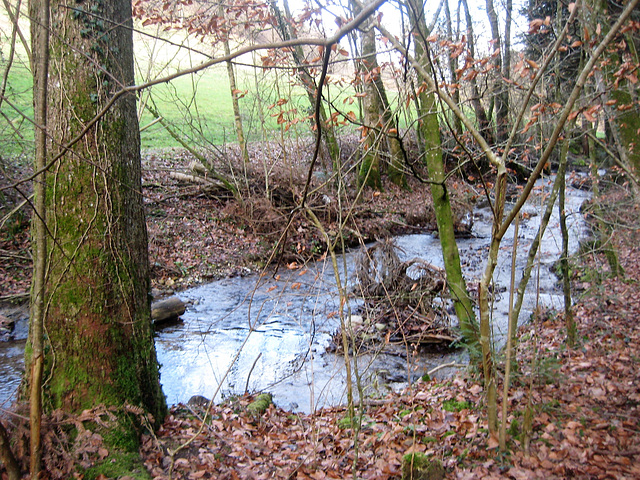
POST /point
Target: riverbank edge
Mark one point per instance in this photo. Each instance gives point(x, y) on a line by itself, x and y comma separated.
point(572, 411)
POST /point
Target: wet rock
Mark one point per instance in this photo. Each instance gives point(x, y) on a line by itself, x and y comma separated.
point(198, 401)
point(6, 327)
point(168, 309)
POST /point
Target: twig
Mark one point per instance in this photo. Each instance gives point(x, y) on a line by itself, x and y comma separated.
point(446, 365)
point(246, 385)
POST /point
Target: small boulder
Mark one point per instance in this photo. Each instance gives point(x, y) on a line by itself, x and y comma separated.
point(6, 326)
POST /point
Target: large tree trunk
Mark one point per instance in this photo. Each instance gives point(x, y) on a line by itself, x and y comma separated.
point(429, 126)
point(369, 73)
point(98, 317)
point(620, 87)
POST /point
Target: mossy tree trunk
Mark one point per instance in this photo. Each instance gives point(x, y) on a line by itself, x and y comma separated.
point(371, 170)
point(620, 86)
point(98, 320)
point(430, 130)
point(381, 129)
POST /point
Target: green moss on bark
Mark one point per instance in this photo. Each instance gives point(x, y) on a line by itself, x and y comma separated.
point(101, 341)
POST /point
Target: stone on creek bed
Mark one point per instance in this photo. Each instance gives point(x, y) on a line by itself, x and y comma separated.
point(166, 310)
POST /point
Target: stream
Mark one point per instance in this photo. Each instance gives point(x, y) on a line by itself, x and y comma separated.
point(272, 333)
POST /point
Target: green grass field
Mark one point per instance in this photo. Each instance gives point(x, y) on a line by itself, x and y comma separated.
point(16, 111)
point(197, 107)
point(200, 108)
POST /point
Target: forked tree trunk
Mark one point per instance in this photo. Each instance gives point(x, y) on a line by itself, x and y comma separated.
point(371, 168)
point(98, 313)
point(382, 130)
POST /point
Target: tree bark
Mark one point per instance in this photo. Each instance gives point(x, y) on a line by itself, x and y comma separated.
point(624, 114)
point(39, 12)
point(242, 143)
point(371, 169)
point(429, 126)
point(98, 319)
point(481, 114)
point(500, 96)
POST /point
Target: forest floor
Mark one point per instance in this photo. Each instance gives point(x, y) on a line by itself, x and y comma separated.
point(572, 412)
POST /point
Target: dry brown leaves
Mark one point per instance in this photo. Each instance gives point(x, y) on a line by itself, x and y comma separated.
point(280, 444)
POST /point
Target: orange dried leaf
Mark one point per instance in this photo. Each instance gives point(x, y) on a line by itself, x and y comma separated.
point(534, 25)
point(532, 64)
point(528, 125)
point(588, 116)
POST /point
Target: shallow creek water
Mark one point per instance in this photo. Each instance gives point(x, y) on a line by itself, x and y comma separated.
point(272, 333)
